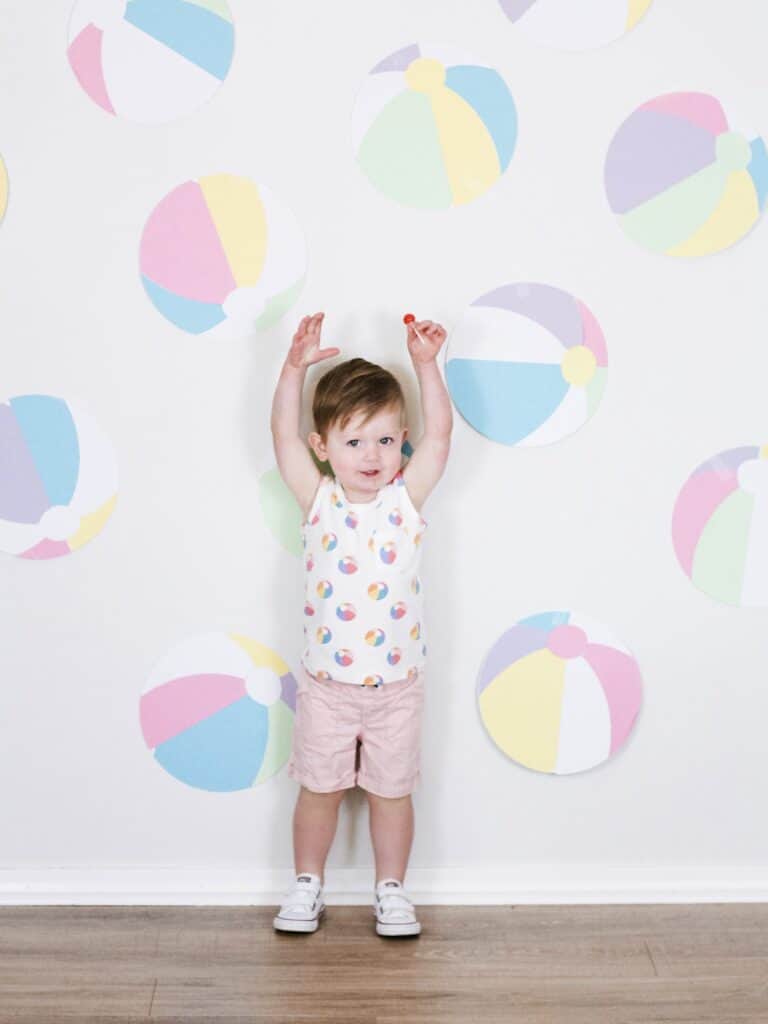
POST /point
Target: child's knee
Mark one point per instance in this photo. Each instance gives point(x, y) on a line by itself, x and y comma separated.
point(389, 800)
point(332, 796)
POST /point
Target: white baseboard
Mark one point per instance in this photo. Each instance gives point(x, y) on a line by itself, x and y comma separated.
point(166, 885)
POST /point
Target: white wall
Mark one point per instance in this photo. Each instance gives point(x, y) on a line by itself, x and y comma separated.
point(582, 524)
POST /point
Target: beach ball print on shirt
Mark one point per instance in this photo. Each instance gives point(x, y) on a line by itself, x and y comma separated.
point(282, 515)
point(575, 24)
point(222, 256)
point(558, 693)
point(218, 712)
point(433, 128)
point(685, 176)
point(150, 60)
point(58, 477)
point(527, 364)
point(720, 527)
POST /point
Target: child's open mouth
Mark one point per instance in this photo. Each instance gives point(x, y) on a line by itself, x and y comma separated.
point(369, 472)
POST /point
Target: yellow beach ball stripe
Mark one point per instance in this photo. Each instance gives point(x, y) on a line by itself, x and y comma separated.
point(92, 524)
point(522, 708)
point(241, 224)
point(736, 213)
point(469, 153)
point(637, 8)
point(263, 657)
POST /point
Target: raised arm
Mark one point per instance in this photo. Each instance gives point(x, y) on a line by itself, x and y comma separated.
point(427, 463)
point(294, 461)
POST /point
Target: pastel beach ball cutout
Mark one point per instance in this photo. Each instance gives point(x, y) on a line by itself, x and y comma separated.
point(150, 61)
point(527, 364)
point(575, 24)
point(681, 180)
point(280, 511)
point(222, 256)
point(218, 711)
point(433, 128)
point(558, 694)
point(720, 527)
point(58, 477)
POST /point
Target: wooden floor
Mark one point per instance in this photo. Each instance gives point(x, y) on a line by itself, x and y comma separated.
point(635, 964)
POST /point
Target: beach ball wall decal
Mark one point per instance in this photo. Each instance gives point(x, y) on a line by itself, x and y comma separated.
point(222, 256)
point(526, 365)
point(682, 180)
point(557, 693)
point(58, 477)
point(575, 24)
point(150, 60)
point(280, 511)
point(218, 712)
point(3, 189)
point(433, 128)
point(720, 527)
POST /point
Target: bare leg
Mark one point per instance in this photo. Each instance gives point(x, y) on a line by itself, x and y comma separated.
point(391, 821)
point(314, 826)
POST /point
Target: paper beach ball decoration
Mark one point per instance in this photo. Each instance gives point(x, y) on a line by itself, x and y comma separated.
point(280, 511)
point(222, 256)
point(575, 24)
point(526, 364)
point(557, 693)
point(433, 128)
point(720, 527)
point(681, 180)
point(58, 477)
point(3, 189)
point(150, 60)
point(217, 712)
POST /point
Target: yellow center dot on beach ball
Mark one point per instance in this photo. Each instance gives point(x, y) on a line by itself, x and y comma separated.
point(579, 365)
point(425, 75)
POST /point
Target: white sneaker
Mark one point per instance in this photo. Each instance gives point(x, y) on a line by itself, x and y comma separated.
point(394, 911)
point(303, 904)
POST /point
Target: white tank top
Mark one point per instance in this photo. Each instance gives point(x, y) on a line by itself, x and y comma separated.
point(363, 609)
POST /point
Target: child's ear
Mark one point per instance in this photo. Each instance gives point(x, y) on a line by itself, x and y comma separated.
point(317, 445)
point(405, 433)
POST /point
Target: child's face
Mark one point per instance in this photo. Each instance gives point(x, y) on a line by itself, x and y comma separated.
point(364, 456)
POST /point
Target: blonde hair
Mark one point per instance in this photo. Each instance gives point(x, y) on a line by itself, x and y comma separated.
point(351, 387)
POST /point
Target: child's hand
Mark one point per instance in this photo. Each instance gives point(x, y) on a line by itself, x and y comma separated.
point(305, 347)
point(434, 336)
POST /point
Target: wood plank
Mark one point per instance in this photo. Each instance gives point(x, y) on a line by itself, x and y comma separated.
point(638, 964)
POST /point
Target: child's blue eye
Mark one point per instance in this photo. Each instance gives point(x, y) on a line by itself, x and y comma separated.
point(386, 440)
point(353, 443)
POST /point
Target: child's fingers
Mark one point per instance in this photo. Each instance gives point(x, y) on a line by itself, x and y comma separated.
point(301, 328)
point(327, 353)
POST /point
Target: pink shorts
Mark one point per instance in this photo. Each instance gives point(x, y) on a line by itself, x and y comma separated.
point(336, 720)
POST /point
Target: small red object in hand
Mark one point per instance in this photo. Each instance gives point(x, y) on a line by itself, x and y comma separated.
point(409, 318)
